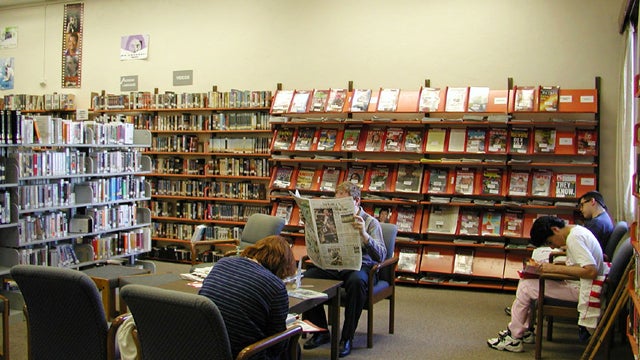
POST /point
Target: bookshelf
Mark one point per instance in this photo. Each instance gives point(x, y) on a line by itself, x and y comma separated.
point(458, 169)
point(210, 163)
point(70, 191)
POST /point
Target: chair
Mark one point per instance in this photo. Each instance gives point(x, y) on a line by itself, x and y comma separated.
point(619, 230)
point(64, 313)
point(176, 325)
point(550, 308)
point(258, 226)
point(5, 309)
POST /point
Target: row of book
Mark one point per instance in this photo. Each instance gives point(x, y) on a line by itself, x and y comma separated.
point(146, 100)
point(474, 140)
point(201, 122)
point(174, 230)
point(217, 166)
point(412, 178)
point(46, 102)
point(244, 190)
point(428, 99)
point(201, 210)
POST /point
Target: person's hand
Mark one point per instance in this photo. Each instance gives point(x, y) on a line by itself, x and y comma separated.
point(358, 223)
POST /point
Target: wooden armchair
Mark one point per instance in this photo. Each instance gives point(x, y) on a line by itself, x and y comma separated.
point(5, 309)
point(258, 226)
point(177, 325)
point(64, 312)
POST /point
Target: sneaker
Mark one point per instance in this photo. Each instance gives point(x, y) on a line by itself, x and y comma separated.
point(506, 342)
point(507, 310)
point(528, 337)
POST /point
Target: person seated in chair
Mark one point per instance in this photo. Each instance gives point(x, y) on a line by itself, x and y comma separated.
point(597, 220)
point(249, 291)
point(584, 260)
point(354, 282)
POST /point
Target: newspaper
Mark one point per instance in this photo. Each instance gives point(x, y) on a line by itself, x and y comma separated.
point(331, 240)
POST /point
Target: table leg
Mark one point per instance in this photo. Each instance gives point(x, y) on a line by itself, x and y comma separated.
point(334, 310)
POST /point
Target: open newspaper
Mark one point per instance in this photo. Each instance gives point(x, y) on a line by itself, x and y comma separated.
point(331, 240)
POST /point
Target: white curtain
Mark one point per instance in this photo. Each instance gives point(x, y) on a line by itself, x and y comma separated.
point(626, 151)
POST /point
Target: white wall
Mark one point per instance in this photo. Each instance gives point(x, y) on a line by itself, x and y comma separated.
point(247, 44)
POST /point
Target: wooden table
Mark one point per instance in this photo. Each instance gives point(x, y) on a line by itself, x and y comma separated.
point(298, 306)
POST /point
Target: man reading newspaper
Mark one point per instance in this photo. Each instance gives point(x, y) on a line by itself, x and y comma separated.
point(343, 242)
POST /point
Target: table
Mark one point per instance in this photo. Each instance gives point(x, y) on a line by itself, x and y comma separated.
point(329, 287)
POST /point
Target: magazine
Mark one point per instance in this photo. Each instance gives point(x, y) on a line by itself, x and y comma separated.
point(330, 238)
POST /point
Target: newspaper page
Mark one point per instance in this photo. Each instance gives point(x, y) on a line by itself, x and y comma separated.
point(331, 240)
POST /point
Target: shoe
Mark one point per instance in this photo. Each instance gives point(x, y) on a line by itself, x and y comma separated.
point(507, 310)
point(583, 334)
point(345, 348)
point(505, 342)
point(319, 338)
point(528, 337)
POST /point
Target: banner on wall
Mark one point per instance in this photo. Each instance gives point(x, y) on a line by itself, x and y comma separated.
point(9, 37)
point(73, 26)
point(134, 47)
point(6, 73)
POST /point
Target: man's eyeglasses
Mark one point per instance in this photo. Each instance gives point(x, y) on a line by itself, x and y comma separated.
point(581, 204)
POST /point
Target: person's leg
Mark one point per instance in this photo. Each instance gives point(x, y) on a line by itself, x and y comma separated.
point(317, 315)
point(355, 285)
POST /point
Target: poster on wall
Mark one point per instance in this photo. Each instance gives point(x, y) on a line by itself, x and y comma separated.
point(6, 73)
point(9, 37)
point(134, 47)
point(73, 25)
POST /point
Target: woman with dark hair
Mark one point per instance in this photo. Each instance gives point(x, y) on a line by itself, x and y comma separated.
point(249, 291)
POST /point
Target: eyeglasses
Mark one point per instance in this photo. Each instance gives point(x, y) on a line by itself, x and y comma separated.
point(581, 204)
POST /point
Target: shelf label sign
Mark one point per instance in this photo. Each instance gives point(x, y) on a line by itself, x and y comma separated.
point(129, 83)
point(182, 77)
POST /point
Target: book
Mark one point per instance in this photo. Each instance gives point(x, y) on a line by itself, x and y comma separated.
point(282, 177)
point(393, 140)
point(438, 180)
point(497, 141)
point(443, 219)
point(336, 100)
point(305, 178)
point(429, 99)
point(524, 98)
point(548, 98)
point(283, 139)
point(518, 183)
point(375, 138)
point(465, 179)
point(566, 185)
point(436, 138)
point(478, 99)
point(300, 101)
point(463, 262)
point(513, 222)
point(519, 140)
point(413, 141)
point(541, 183)
point(476, 140)
point(587, 141)
point(456, 99)
point(409, 178)
point(282, 101)
point(360, 100)
point(319, 100)
point(304, 138)
point(544, 140)
point(379, 177)
point(351, 139)
point(408, 259)
point(406, 217)
point(491, 182)
point(329, 178)
point(457, 140)
point(388, 99)
point(284, 210)
point(469, 222)
point(491, 223)
point(327, 139)
point(383, 213)
point(356, 174)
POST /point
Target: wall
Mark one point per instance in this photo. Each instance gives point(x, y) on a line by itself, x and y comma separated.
point(248, 44)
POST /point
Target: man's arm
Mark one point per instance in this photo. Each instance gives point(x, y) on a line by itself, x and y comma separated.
point(585, 272)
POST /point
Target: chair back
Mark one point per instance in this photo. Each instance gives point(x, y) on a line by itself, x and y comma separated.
point(176, 325)
point(259, 226)
point(389, 233)
point(66, 319)
point(619, 263)
point(619, 230)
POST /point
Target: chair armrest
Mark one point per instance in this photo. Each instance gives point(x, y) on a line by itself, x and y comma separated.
point(111, 336)
point(291, 334)
point(377, 267)
point(556, 276)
